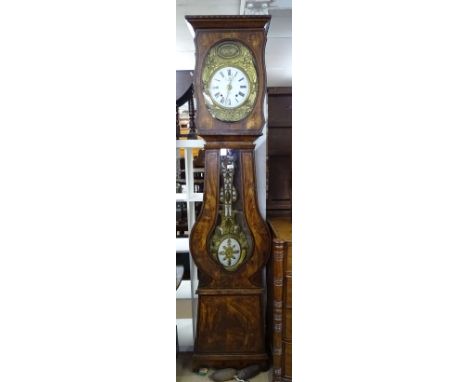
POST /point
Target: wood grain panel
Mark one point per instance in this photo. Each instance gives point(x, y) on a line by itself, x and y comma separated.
point(288, 261)
point(279, 183)
point(280, 141)
point(287, 331)
point(279, 168)
point(288, 292)
point(257, 225)
point(279, 109)
point(231, 323)
point(287, 360)
point(207, 218)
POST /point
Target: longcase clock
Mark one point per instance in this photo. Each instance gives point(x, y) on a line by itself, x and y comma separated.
point(230, 241)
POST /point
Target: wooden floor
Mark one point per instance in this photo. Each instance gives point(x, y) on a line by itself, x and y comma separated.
point(185, 373)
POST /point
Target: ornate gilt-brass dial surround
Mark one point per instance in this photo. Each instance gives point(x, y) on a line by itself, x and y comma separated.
point(233, 54)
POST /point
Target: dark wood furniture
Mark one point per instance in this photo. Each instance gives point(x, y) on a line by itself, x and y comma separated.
point(279, 278)
point(231, 319)
point(184, 95)
point(279, 145)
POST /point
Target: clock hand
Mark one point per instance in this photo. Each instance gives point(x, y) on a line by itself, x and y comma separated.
point(229, 87)
point(227, 94)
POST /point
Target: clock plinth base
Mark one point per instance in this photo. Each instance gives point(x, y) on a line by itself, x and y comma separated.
point(236, 361)
point(230, 329)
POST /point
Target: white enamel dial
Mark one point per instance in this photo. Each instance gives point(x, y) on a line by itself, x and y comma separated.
point(229, 252)
point(229, 87)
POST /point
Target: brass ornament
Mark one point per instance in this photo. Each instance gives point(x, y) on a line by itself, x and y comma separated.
point(237, 55)
point(229, 245)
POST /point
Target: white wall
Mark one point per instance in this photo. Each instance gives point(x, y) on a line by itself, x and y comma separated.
point(260, 169)
point(260, 164)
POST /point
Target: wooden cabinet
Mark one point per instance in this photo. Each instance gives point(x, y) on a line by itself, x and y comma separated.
point(279, 308)
point(279, 195)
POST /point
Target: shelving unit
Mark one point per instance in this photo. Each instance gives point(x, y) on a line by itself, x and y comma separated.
point(187, 289)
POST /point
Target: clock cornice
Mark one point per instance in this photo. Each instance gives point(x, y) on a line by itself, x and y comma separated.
point(229, 22)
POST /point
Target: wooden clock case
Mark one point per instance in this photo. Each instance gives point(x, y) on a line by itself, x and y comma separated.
point(231, 318)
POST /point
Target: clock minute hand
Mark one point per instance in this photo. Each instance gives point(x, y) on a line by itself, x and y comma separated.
point(229, 87)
